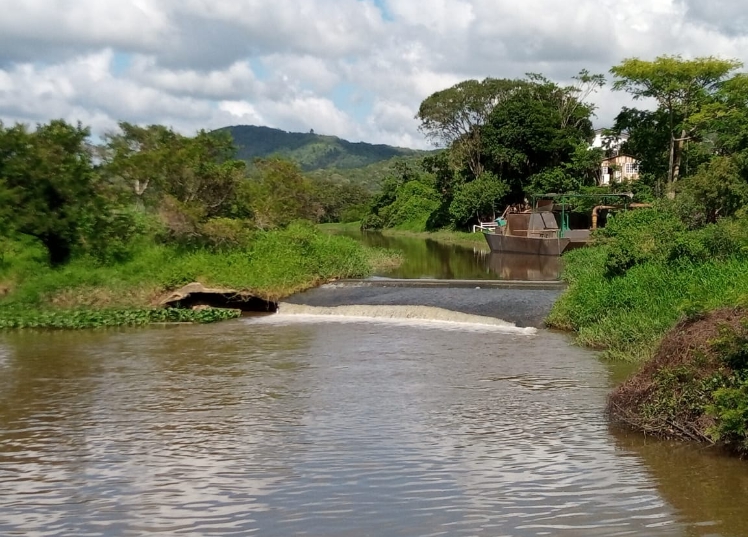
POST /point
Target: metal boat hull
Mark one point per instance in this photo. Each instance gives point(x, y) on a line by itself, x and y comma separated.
point(510, 244)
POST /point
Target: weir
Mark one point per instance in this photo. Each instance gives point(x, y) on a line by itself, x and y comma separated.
point(522, 303)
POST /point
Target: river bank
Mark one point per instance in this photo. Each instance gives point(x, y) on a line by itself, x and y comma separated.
point(468, 240)
point(672, 299)
point(645, 274)
point(85, 294)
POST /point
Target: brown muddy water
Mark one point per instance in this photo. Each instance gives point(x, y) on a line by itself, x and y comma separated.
point(322, 423)
point(426, 258)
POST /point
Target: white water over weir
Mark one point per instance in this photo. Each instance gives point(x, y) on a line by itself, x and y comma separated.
point(414, 315)
point(486, 306)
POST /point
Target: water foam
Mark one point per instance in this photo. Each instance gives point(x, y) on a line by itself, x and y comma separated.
point(422, 316)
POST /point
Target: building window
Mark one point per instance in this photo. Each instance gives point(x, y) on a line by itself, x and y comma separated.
point(632, 168)
point(605, 170)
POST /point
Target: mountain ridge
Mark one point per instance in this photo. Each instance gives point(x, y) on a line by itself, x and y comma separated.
point(311, 151)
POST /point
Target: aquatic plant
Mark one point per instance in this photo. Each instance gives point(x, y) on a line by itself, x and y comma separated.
point(16, 318)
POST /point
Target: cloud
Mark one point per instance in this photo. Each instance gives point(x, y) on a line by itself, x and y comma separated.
point(44, 31)
point(353, 68)
point(727, 16)
point(235, 82)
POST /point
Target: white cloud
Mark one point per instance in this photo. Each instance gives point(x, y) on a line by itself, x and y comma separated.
point(337, 66)
point(235, 82)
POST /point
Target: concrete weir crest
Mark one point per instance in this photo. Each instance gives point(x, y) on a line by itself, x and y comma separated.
point(522, 303)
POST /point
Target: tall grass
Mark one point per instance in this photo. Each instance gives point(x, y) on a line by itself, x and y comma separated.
point(275, 264)
point(627, 313)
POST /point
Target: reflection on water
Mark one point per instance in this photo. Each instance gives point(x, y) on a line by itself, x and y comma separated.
point(329, 429)
point(525, 266)
point(426, 258)
point(707, 486)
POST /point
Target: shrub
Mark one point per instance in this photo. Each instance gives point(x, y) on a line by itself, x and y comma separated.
point(225, 233)
point(372, 222)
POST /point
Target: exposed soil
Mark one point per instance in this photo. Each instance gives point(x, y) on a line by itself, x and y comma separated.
point(668, 395)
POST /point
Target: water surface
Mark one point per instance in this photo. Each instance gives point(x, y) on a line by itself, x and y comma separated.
point(335, 426)
point(426, 258)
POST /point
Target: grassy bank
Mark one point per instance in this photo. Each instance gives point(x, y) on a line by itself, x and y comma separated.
point(471, 240)
point(674, 300)
point(646, 273)
point(84, 293)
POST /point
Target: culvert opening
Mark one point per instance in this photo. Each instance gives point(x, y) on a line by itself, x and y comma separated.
point(226, 300)
point(195, 295)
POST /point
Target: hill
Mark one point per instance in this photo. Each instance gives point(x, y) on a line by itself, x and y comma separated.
point(311, 151)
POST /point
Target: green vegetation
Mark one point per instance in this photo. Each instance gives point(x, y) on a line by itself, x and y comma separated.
point(94, 235)
point(651, 277)
point(649, 271)
point(84, 293)
point(696, 386)
point(359, 169)
point(101, 318)
point(309, 150)
point(505, 141)
point(684, 91)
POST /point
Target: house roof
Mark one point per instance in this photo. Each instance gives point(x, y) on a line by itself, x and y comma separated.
point(621, 155)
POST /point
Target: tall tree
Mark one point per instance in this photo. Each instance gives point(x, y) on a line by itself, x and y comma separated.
point(201, 172)
point(538, 128)
point(138, 156)
point(48, 180)
point(198, 171)
point(280, 193)
point(453, 117)
point(648, 139)
point(680, 87)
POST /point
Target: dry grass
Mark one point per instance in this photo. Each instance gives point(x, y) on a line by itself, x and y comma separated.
point(104, 297)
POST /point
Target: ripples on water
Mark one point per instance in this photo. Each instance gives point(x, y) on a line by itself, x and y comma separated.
point(273, 428)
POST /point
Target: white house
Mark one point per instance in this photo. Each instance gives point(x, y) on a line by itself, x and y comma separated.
point(619, 168)
point(616, 166)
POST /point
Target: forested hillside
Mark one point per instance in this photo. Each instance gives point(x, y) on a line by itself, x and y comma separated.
point(310, 151)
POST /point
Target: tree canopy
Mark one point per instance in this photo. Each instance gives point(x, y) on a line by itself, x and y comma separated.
point(48, 184)
point(680, 87)
point(453, 117)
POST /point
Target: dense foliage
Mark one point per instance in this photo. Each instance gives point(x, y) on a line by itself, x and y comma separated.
point(648, 271)
point(91, 234)
point(505, 141)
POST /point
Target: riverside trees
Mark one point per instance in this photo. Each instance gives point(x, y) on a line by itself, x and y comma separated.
point(696, 140)
point(77, 198)
point(681, 89)
point(48, 186)
point(504, 140)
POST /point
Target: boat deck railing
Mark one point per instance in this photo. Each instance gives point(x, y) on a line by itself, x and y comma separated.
point(485, 226)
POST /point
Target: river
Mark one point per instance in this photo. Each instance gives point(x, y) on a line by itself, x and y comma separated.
point(432, 259)
point(336, 425)
point(370, 419)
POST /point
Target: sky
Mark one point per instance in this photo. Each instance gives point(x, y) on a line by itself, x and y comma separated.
point(357, 69)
